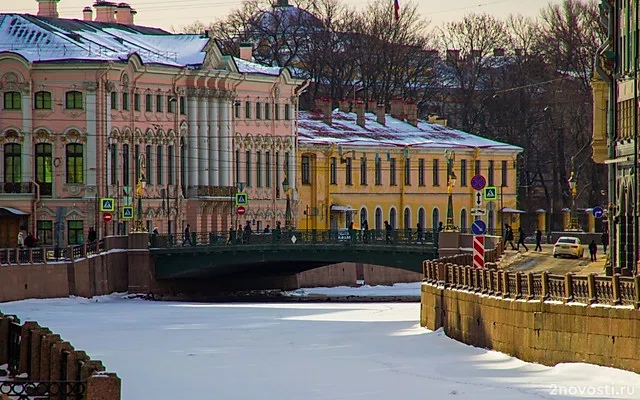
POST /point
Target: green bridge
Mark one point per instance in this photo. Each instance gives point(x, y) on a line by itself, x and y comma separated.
point(211, 254)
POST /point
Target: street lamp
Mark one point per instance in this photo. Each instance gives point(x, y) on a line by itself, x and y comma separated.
point(287, 213)
point(451, 182)
point(573, 221)
point(139, 225)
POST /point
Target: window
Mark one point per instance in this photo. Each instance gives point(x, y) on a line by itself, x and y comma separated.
point(45, 232)
point(407, 171)
point(136, 163)
point(114, 164)
point(158, 165)
point(125, 165)
point(170, 176)
point(363, 171)
point(287, 166)
point(183, 107)
point(267, 111)
point(74, 100)
point(392, 172)
point(421, 180)
point(258, 169)
point(378, 171)
point(114, 100)
point(287, 112)
point(43, 167)
point(236, 107)
point(504, 173)
point(334, 171)
point(277, 172)
point(147, 167)
point(43, 101)
point(348, 171)
point(436, 173)
point(12, 101)
point(276, 112)
point(258, 110)
point(148, 103)
point(12, 163)
point(171, 105)
point(183, 166)
point(247, 110)
point(75, 232)
point(136, 102)
point(463, 172)
point(238, 166)
point(247, 164)
point(476, 168)
point(306, 170)
point(75, 163)
point(393, 218)
point(159, 103)
point(490, 173)
point(125, 101)
point(267, 168)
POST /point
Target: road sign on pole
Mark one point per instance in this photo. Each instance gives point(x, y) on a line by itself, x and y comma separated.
point(242, 199)
point(478, 252)
point(478, 182)
point(598, 212)
point(490, 193)
point(478, 212)
point(478, 227)
point(107, 217)
point(477, 199)
point(241, 210)
point(127, 212)
point(107, 204)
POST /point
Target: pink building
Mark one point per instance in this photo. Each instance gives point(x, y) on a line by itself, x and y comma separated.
point(89, 107)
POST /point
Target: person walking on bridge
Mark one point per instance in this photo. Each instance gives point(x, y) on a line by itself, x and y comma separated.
point(593, 249)
point(521, 237)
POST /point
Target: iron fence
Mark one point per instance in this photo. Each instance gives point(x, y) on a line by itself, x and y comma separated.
point(40, 255)
point(63, 390)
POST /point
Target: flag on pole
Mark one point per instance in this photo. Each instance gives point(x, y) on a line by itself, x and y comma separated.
point(396, 7)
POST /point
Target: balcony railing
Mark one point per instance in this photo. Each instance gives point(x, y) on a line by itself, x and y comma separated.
point(17, 188)
point(216, 191)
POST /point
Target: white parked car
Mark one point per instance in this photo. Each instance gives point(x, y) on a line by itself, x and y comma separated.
point(568, 246)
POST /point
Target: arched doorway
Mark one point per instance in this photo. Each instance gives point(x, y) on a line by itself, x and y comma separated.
point(393, 218)
point(435, 218)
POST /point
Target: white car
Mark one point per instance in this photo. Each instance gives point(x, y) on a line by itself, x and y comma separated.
point(568, 246)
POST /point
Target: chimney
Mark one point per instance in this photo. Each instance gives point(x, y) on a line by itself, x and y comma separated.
point(498, 52)
point(453, 55)
point(325, 106)
point(246, 51)
point(105, 11)
point(380, 113)
point(48, 8)
point(360, 113)
point(344, 105)
point(412, 112)
point(397, 109)
point(87, 14)
point(124, 14)
point(371, 106)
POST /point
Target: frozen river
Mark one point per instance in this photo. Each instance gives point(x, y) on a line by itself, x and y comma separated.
point(167, 351)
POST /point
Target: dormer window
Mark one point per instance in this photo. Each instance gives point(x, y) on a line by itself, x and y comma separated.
point(12, 101)
point(42, 101)
point(74, 100)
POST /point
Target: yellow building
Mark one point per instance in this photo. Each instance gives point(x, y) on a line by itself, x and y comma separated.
point(357, 166)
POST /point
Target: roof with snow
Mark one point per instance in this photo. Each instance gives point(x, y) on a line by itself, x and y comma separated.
point(42, 39)
point(395, 133)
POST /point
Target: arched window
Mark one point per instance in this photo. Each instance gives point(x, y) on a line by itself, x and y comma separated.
point(75, 163)
point(74, 100)
point(12, 101)
point(393, 218)
point(43, 167)
point(422, 218)
point(42, 101)
point(463, 221)
point(378, 218)
point(407, 218)
point(435, 219)
point(363, 216)
point(183, 166)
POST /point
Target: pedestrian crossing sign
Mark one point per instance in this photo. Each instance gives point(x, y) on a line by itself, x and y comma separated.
point(490, 193)
point(242, 199)
point(107, 204)
point(127, 212)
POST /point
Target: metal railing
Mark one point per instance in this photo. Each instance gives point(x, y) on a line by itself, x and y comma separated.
point(62, 390)
point(589, 289)
point(41, 255)
point(339, 236)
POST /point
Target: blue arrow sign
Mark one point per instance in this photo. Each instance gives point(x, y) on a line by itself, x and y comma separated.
point(478, 227)
point(598, 211)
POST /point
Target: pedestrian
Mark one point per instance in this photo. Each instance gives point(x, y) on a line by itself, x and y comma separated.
point(521, 238)
point(232, 235)
point(154, 232)
point(419, 233)
point(388, 229)
point(440, 226)
point(187, 236)
point(92, 235)
point(20, 240)
point(365, 231)
point(277, 232)
point(604, 239)
point(508, 237)
point(247, 232)
point(30, 240)
point(593, 249)
point(538, 240)
point(267, 230)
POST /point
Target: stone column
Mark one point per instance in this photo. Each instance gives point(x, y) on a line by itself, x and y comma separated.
point(104, 386)
point(192, 142)
point(214, 140)
point(225, 138)
point(91, 151)
point(203, 137)
point(542, 219)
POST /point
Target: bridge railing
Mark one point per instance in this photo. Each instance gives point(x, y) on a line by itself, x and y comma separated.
point(339, 236)
point(43, 255)
point(589, 289)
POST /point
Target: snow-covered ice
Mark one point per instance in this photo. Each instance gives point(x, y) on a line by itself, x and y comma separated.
point(167, 350)
point(398, 289)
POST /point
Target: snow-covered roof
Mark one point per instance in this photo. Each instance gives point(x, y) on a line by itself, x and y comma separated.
point(245, 66)
point(395, 133)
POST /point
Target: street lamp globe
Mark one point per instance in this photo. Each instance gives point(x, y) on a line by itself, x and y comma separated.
point(285, 184)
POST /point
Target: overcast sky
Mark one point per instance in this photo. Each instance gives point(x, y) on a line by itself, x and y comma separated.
point(177, 13)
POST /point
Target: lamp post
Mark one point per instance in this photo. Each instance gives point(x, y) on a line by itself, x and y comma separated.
point(287, 212)
point(451, 182)
point(142, 183)
point(573, 218)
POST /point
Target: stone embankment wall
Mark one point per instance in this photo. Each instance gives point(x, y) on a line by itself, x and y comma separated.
point(540, 318)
